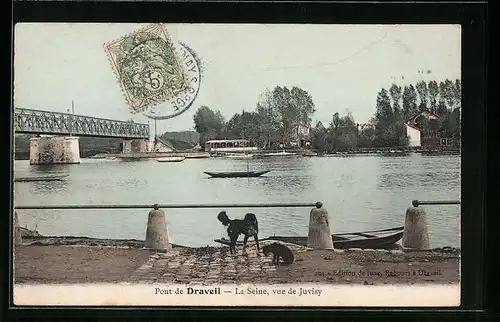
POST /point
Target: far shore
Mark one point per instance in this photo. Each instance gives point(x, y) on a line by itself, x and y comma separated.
point(386, 151)
point(307, 153)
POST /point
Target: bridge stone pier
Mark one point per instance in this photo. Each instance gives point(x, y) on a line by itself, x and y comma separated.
point(54, 150)
point(60, 132)
point(137, 146)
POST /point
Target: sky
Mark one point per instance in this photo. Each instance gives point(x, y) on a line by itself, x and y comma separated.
point(342, 67)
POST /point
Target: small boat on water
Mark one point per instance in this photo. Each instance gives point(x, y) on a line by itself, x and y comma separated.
point(197, 156)
point(395, 153)
point(57, 177)
point(236, 174)
point(171, 159)
point(279, 154)
point(238, 156)
point(375, 239)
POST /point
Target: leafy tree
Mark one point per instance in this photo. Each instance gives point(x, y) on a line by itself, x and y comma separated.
point(395, 92)
point(449, 93)
point(384, 112)
point(423, 94)
point(433, 93)
point(458, 92)
point(246, 125)
point(409, 101)
point(387, 125)
point(335, 121)
point(282, 108)
point(393, 134)
point(320, 136)
point(303, 102)
point(442, 99)
point(366, 138)
point(346, 135)
point(208, 123)
point(232, 128)
point(270, 119)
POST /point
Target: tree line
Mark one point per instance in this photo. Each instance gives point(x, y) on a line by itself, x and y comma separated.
point(266, 127)
point(278, 110)
point(397, 104)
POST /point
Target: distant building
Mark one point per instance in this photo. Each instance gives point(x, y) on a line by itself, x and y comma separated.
point(413, 135)
point(238, 145)
point(414, 124)
point(365, 126)
point(300, 135)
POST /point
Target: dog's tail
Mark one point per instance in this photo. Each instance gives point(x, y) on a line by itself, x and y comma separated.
point(223, 218)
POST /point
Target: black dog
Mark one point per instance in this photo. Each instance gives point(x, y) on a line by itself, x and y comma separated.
point(248, 227)
point(279, 252)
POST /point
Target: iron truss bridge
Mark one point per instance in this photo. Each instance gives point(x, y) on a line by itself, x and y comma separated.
point(54, 123)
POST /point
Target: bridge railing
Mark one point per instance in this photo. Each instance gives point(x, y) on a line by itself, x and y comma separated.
point(45, 122)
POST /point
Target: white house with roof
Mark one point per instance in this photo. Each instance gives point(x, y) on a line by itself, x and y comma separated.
point(413, 131)
point(413, 134)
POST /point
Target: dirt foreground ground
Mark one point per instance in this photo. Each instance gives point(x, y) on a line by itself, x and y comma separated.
point(73, 260)
point(72, 264)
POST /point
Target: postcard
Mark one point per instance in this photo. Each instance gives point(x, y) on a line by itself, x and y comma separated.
point(225, 165)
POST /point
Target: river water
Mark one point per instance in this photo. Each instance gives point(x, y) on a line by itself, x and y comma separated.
point(359, 192)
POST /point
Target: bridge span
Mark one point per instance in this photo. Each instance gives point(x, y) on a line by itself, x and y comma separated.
point(62, 144)
point(55, 123)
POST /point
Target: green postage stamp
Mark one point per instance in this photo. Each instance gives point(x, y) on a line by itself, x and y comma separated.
point(148, 67)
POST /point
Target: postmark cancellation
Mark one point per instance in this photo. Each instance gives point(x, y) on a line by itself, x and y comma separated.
point(148, 67)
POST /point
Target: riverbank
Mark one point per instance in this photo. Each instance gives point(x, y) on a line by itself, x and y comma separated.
point(434, 151)
point(63, 260)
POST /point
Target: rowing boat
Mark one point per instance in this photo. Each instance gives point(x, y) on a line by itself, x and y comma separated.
point(57, 177)
point(279, 154)
point(171, 159)
point(238, 156)
point(375, 239)
point(236, 174)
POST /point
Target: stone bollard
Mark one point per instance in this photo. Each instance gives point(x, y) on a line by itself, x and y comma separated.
point(18, 238)
point(320, 235)
point(156, 233)
point(415, 234)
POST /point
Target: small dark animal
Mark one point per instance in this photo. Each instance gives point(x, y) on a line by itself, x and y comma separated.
point(248, 227)
point(279, 252)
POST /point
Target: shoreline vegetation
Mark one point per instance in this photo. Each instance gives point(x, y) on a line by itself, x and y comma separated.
point(282, 119)
point(305, 153)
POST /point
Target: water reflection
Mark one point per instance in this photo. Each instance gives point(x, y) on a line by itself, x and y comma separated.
point(42, 170)
point(45, 187)
point(419, 172)
point(281, 183)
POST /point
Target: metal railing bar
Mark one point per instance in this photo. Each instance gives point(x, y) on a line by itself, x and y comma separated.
point(169, 206)
point(416, 203)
